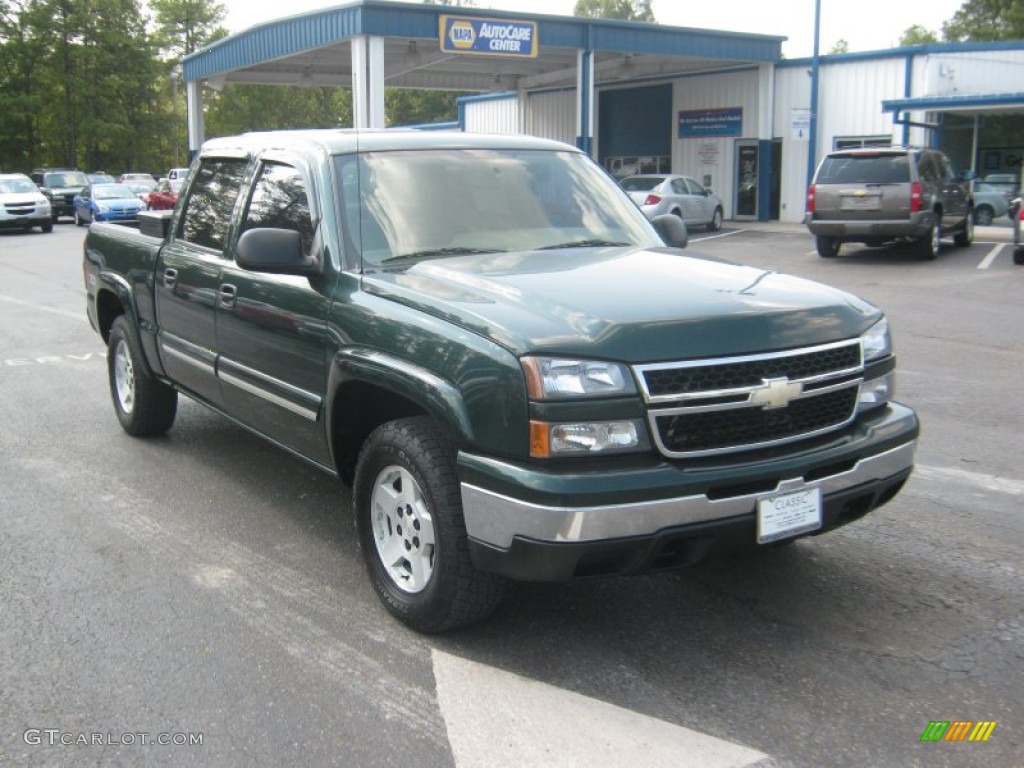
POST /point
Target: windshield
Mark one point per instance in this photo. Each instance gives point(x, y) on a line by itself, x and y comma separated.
point(641, 183)
point(69, 179)
point(112, 192)
point(405, 206)
point(140, 186)
point(15, 186)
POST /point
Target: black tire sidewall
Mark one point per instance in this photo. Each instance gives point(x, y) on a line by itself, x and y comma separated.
point(155, 404)
point(395, 444)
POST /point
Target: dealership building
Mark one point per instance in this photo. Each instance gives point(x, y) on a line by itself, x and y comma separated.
point(724, 108)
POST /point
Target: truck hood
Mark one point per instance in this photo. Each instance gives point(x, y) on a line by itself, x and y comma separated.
point(625, 303)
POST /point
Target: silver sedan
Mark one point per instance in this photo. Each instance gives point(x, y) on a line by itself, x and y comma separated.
point(679, 195)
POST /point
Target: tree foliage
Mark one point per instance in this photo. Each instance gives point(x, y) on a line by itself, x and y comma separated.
point(629, 10)
point(983, 20)
point(840, 46)
point(918, 35)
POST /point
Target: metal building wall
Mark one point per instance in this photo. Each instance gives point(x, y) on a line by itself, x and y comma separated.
point(552, 115)
point(714, 156)
point(492, 115)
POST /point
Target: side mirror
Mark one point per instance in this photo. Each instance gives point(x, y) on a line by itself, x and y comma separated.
point(672, 230)
point(155, 223)
point(278, 251)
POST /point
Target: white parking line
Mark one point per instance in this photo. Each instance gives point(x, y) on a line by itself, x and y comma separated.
point(987, 261)
point(74, 315)
point(977, 479)
point(713, 237)
point(496, 719)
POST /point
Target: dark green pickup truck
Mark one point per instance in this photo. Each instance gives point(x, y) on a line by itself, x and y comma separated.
point(486, 338)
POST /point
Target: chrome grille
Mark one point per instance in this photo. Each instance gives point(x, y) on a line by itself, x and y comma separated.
point(705, 407)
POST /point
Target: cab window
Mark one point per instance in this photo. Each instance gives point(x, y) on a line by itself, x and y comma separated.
point(206, 218)
point(280, 200)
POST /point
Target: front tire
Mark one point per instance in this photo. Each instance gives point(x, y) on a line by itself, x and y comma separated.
point(965, 236)
point(828, 247)
point(47, 227)
point(408, 509)
point(716, 220)
point(78, 219)
point(143, 405)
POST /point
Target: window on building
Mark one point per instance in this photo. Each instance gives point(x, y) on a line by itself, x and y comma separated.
point(856, 142)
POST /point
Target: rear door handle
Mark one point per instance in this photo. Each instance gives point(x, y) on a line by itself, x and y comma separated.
point(170, 277)
point(228, 294)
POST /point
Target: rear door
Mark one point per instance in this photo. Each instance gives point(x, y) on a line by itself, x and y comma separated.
point(272, 329)
point(188, 277)
point(953, 193)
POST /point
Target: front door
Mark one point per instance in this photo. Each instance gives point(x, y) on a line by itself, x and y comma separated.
point(272, 329)
point(746, 179)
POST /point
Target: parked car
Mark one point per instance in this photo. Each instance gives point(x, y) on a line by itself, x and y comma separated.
point(22, 204)
point(99, 177)
point(177, 173)
point(142, 190)
point(106, 202)
point(60, 185)
point(989, 203)
point(125, 177)
point(680, 195)
point(884, 194)
point(1007, 183)
point(165, 195)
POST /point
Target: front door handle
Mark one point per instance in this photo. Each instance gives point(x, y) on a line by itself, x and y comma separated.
point(170, 277)
point(228, 294)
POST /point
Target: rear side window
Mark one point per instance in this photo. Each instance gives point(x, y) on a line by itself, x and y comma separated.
point(641, 183)
point(864, 169)
point(206, 218)
point(280, 200)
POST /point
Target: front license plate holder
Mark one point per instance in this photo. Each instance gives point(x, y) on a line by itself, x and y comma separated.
point(788, 514)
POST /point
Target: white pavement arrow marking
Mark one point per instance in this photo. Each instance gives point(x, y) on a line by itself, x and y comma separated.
point(500, 720)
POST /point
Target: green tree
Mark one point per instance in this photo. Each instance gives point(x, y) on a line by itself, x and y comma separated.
point(982, 20)
point(241, 108)
point(917, 35)
point(22, 59)
point(185, 26)
point(630, 10)
point(840, 46)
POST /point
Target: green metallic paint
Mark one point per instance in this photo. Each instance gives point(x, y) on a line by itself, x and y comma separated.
point(626, 304)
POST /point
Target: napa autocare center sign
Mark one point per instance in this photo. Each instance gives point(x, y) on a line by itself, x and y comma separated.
point(700, 123)
point(488, 37)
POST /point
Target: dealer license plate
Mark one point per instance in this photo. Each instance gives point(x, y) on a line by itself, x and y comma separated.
point(788, 514)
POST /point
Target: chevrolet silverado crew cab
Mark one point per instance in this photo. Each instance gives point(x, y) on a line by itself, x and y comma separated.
point(878, 195)
point(489, 341)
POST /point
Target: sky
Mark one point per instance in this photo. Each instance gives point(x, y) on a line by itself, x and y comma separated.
point(867, 25)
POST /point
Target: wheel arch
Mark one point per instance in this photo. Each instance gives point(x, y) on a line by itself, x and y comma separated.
point(368, 388)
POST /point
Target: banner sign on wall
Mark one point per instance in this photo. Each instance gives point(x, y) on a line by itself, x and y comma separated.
point(488, 37)
point(697, 123)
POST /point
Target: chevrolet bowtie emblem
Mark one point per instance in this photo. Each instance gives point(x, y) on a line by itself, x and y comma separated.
point(776, 393)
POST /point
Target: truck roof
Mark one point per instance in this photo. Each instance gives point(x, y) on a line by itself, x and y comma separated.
point(343, 141)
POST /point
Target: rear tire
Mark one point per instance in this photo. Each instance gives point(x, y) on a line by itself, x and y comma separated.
point(828, 247)
point(716, 220)
point(412, 533)
point(1018, 255)
point(965, 236)
point(143, 405)
point(930, 245)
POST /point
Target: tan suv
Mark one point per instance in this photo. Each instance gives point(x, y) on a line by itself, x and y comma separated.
point(878, 195)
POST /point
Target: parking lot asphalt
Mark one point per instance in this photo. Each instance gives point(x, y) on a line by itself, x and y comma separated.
point(206, 583)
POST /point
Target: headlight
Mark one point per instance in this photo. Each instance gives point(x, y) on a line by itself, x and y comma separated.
point(103, 208)
point(551, 378)
point(876, 342)
point(548, 440)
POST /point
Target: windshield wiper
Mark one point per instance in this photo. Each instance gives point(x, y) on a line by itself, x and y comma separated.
point(583, 244)
point(435, 253)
